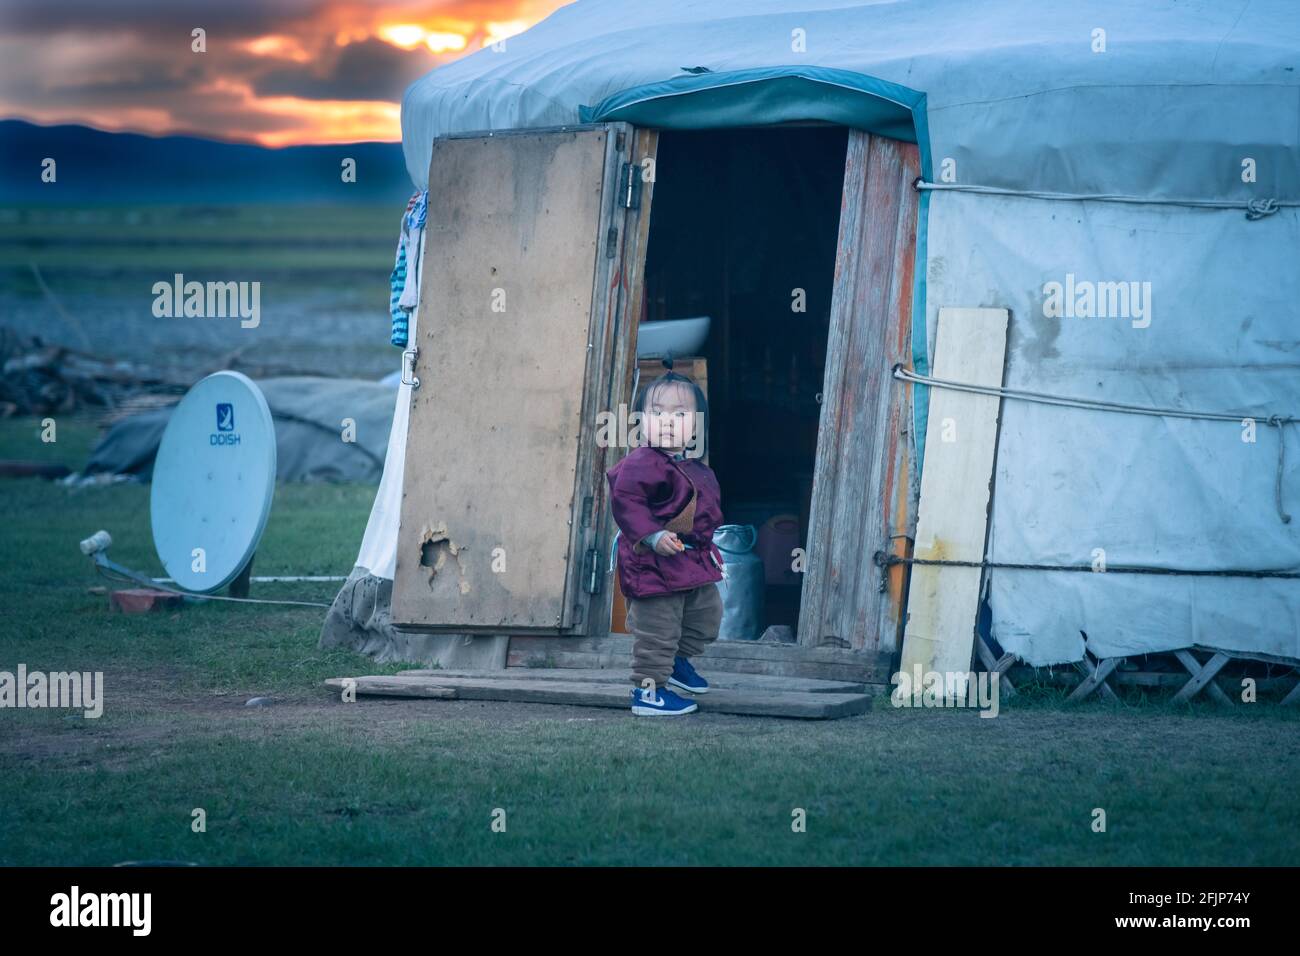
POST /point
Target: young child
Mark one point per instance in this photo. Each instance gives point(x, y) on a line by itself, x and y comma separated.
point(667, 504)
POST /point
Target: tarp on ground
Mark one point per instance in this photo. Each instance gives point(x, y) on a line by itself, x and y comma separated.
point(309, 414)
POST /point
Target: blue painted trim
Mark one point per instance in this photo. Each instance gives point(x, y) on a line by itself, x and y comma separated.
point(636, 102)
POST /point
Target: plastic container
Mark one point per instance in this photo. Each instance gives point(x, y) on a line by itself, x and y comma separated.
point(777, 539)
point(743, 585)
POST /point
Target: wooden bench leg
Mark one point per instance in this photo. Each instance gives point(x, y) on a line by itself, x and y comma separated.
point(1292, 699)
point(1202, 677)
point(997, 665)
point(1095, 674)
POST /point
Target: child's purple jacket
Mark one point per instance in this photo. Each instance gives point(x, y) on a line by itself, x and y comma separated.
point(647, 489)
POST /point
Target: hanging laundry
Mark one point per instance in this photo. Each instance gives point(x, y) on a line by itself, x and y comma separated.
point(413, 229)
point(397, 282)
point(404, 282)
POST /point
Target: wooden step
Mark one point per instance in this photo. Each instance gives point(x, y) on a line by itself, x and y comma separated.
point(744, 657)
point(722, 680)
point(590, 693)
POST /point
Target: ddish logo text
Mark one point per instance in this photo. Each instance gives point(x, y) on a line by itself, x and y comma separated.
point(224, 435)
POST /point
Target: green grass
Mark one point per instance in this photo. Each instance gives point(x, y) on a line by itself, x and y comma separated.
point(85, 278)
point(169, 238)
point(112, 252)
point(310, 780)
point(313, 530)
point(23, 439)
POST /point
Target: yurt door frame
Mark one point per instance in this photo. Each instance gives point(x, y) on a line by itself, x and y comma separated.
point(530, 285)
point(864, 487)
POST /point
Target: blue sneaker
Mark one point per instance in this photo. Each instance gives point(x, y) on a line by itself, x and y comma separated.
point(685, 677)
point(663, 704)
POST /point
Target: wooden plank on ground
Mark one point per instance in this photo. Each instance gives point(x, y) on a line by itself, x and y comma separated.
point(753, 703)
point(952, 522)
point(409, 687)
point(619, 675)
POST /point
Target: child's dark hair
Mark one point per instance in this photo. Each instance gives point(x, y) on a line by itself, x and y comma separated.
point(700, 440)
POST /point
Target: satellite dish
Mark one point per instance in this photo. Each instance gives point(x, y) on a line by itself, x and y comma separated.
point(213, 481)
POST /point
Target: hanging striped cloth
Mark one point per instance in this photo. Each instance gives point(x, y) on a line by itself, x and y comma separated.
point(412, 224)
point(397, 282)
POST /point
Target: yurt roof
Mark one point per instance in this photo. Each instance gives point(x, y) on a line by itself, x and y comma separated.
point(1016, 92)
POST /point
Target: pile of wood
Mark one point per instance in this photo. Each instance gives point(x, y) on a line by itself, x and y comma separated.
point(40, 379)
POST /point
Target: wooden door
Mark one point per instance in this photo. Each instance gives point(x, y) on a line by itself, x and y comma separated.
point(863, 490)
point(525, 333)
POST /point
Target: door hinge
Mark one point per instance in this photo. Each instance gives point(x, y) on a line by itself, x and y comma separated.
point(629, 197)
point(591, 571)
point(629, 187)
point(586, 511)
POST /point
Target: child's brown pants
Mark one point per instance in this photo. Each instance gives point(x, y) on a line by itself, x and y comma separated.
point(670, 625)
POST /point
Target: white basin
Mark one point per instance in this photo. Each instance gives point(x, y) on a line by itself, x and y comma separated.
point(679, 336)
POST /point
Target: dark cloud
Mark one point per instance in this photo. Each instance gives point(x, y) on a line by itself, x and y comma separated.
point(130, 72)
point(141, 80)
point(239, 18)
point(369, 70)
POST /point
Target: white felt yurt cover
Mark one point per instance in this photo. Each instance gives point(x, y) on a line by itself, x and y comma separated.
point(1171, 103)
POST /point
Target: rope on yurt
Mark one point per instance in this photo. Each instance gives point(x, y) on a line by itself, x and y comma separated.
point(884, 560)
point(1254, 208)
point(1045, 398)
point(907, 375)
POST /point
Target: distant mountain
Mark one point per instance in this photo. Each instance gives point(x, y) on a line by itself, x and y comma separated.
point(99, 167)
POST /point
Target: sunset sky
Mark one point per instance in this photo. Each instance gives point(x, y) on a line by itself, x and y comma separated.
point(276, 72)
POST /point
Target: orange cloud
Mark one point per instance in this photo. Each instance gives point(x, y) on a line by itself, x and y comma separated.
point(280, 47)
point(329, 121)
point(280, 73)
point(410, 35)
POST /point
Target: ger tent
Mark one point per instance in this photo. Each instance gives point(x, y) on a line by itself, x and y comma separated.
point(1119, 181)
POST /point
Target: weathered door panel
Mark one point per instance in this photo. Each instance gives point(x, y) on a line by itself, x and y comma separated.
point(522, 299)
point(616, 391)
point(863, 491)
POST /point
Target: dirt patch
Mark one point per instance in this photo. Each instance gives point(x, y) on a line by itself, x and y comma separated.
point(144, 707)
